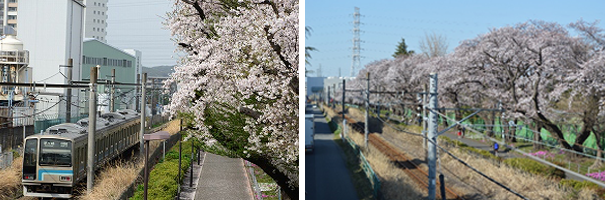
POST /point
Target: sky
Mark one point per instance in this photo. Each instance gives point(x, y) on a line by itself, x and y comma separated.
point(137, 24)
point(385, 23)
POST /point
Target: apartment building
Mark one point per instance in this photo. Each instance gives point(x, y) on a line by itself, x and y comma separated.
point(95, 20)
point(8, 16)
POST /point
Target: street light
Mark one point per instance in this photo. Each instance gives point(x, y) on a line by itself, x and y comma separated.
point(160, 135)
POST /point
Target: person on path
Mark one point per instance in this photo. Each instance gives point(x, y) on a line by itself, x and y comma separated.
point(463, 131)
point(496, 146)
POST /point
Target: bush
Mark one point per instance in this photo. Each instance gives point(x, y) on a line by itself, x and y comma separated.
point(534, 167)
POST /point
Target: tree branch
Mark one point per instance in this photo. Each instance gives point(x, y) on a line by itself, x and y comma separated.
point(197, 7)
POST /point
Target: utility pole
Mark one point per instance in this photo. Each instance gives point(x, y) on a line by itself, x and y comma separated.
point(328, 99)
point(70, 64)
point(143, 98)
point(343, 100)
point(424, 124)
point(112, 93)
point(367, 127)
point(137, 106)
point(92, 122)
point(432, 135)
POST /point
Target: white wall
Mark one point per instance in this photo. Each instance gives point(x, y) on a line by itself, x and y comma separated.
point(95, 16)
point(52, 32)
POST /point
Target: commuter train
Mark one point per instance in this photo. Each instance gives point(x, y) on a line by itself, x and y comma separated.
point(55, 160)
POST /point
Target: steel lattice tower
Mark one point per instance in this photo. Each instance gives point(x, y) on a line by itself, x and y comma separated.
point(356, 63)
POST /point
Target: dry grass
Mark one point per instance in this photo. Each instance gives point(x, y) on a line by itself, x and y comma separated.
point(10, 179)
point(465, 182)
point(394, 183)
point(112, 181)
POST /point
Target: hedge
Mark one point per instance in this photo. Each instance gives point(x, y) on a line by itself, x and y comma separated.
point(162, 184)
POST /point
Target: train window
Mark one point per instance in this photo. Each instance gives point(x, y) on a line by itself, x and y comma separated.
point(55, 152)
point(30, 156)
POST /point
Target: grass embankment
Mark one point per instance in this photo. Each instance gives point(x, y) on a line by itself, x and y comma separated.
point(268, 187)
point(113, 180)
point(163, 182)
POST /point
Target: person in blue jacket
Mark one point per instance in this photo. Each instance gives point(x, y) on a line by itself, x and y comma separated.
point(496, 146)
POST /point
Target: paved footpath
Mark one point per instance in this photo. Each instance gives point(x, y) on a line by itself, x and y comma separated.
point(217, 177)
point(327, 176)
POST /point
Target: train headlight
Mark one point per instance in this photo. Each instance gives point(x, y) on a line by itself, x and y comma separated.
point(65, 178)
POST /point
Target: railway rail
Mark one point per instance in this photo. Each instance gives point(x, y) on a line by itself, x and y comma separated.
point(402, 161)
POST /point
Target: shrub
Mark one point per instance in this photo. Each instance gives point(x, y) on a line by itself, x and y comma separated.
point(534, 167)
point(162, 182)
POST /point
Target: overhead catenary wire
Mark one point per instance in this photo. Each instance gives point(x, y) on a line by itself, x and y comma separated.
point(457, 159)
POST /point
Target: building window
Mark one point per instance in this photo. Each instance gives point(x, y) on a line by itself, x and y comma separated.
point(12, 8)
point(95, 3)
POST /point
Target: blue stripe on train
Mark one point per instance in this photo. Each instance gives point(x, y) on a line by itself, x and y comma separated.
point(53, 172)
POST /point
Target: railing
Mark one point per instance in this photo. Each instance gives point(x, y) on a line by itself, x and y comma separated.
point(365, 165)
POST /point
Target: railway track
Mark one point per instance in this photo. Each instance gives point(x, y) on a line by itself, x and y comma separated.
point(402, 161)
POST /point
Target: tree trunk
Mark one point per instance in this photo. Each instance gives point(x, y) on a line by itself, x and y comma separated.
point(538, 127)
point(598, 163)
point(280, 178)
point(513, 131)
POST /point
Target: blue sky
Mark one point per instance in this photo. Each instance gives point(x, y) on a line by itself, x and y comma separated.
point(384, 23)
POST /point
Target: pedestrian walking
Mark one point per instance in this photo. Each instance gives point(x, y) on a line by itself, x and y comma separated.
point(463, 131)
point(459, 134)
point(496, 146)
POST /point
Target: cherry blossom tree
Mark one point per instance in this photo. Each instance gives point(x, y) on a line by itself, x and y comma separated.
point(239, 79)
point(532, 68)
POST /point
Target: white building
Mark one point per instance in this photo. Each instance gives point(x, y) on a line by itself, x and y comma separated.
point(52, 32)
point(8, 18)
point(95, 20)
point(137, 56)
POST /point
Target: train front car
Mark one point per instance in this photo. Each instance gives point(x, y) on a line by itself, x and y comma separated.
point(48, 162)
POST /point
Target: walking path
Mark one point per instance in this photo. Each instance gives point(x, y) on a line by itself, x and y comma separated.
point(217, 177)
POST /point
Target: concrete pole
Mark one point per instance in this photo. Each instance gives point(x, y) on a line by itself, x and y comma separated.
point(432, 135)
point(92, 119)
point(424, 128)
point(328, 99)
point(178, 189)
point(70, 64)
point(112, 93)
point(137, 106)
point(143, 98)
point(367, 122)
point(343, 99)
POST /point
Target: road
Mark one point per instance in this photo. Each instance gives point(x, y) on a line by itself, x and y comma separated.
point(327, 176)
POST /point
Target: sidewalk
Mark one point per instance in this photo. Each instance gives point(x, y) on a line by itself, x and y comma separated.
point(217, 177)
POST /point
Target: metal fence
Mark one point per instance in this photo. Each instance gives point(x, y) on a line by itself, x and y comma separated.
point(364, 164)
point(6, 159)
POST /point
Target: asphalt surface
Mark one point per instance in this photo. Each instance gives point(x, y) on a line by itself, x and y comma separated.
point(327, 176)
point(223, 178)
